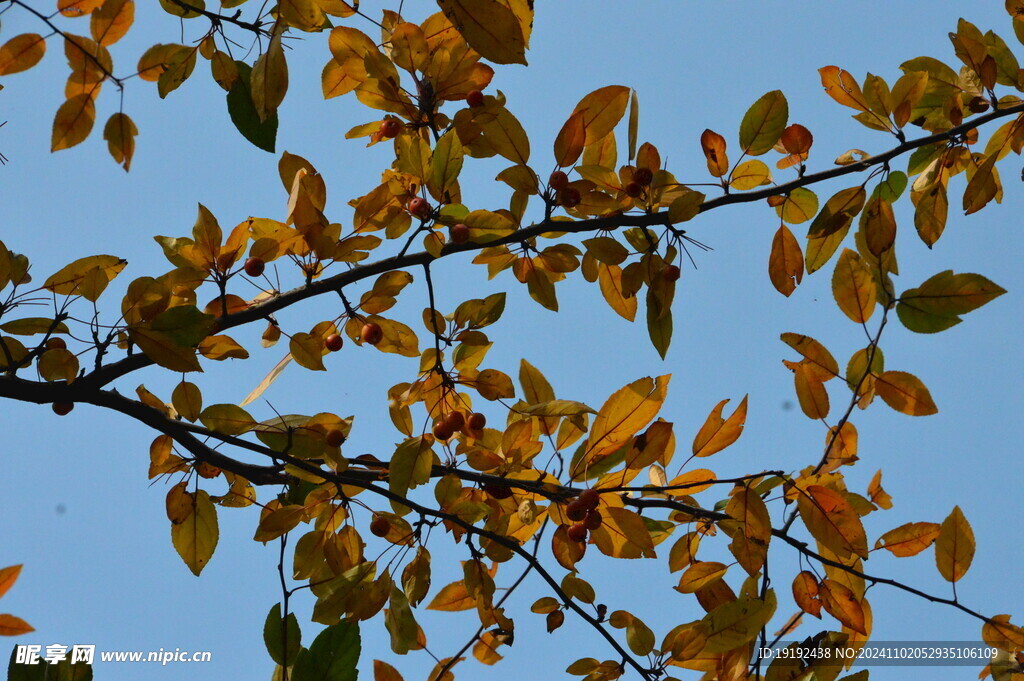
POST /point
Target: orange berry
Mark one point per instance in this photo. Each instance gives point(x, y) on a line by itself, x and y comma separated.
point(333, 342)
point(254, 266)
point(476, 421)
point(419, 208)
point(569, 197)
point(577, 533)
point(459, 233)
point(671, 273)
point(558, 180)
point(475, 98)
point(380, 526)
point(56, 344)
point(589, 498)
point(390, 127)
point(335, 438)
point(633, 189)
point(592, 521)
point(455, 420)
point(643, 176)
point(371, 333)
point(63, 408)
point(442, 431)
point(575, 511)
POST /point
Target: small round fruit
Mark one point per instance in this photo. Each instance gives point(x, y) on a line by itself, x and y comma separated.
point(577, 533)
point(333, 342)
point(455, 420)
point(335, 438)
point(63, 408)
point(575, 511)
point(475, 98)
point(592, 521)
point(418, 207)
point(371, 333)
point(569, 197)
point(390, 127)
point(643, 176)
point(442, 431)
point(476, 421)
point(589, 498)
point(671, 273)
point(56, 344)
point(379, 526)
point(498, 491)
point(558, 180)
point(459, 233)
point(633, 189)
point(254, 266)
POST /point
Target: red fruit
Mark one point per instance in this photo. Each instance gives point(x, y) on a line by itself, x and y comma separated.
point(569, 197)
point(459, 233)
point(577, 533)
point(254, 266)
point(418, 207)
point(371, 333)
point(62, 408)
point(56, 344)
point(575, 511)
point(333, 342)
point(592, 521)
point(476, 421)
point(390, 127)
point(380, 526)
point(442, 431)
point(475, 98)
point(558, 180)
point(643, 176)
point(335, 438)
point(633, 189)
point(671, 273)
point(588, 498)
point(455, 420)
point(498, 491)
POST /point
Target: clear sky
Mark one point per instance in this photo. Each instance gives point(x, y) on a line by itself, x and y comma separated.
point(75, 503)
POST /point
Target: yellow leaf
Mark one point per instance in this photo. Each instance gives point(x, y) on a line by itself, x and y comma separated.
point(187, 400)
point(853, 287)
point(73, 122)
point(954, 547)
point(810, 391)
point(624, 413)
point(453, 598)
point(699, 575)
point(754, 529)
point(196, 538)
point(21, 52)
point(623, 534)
point(120, 132)
point(610, 278)
point(490, 27)
point(267, 380)
point(733, 624)
point(908, 539)
point(750, 174)
point(717, 433)
point(111, 21)
point(602, 110)
point(504, 132)
point(269, 78)
point(222, 347)
point(307, 351)
point(58, 365)
point(382, 671)
point(832, 521)
point(162, 349)
point(229, 419)
point(905, 393)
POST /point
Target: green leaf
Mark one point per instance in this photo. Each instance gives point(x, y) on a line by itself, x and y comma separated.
point(229, 419)
point(275, 636)
point(332, 657)
point(243, 112)
point(763, 123)
point(937, 304)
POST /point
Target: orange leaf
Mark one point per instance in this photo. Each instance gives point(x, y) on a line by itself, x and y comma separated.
point(453, 598)
point(878, 495)
point(853, 287)
point(120, 132)
point(73, 122)
point(908, 539)
point(810, 391)
point(786, 262)
point(832, 521)
point(905, 393)
point(571, 140)
point(843, 604)
point(21, 52)
point(8, 576)
point(14, 626)
point(954, 547)
point(713, 146)
point(842, 87)
point(805, 593)
point(602, 110)
point(110, 22)
point(717, 433)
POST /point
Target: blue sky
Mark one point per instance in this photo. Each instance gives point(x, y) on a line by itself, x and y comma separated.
point(103, 571)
